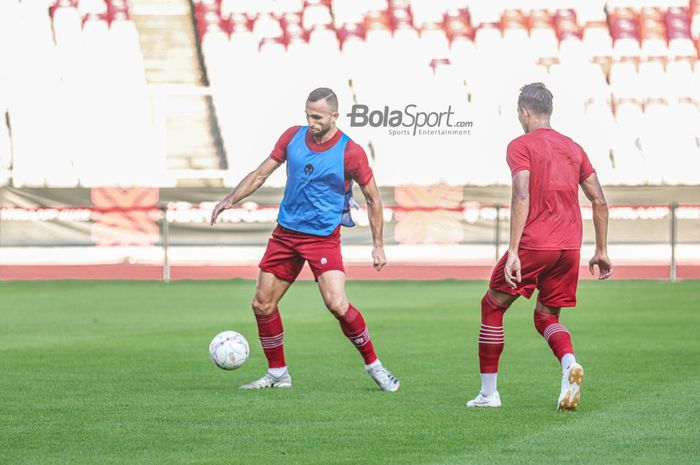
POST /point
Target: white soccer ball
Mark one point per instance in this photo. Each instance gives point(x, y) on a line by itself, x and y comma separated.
point(229, 350)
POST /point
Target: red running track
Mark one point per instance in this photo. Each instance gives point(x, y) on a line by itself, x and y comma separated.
point(419, 272)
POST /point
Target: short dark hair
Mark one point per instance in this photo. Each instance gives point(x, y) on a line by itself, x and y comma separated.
point(324, 93)
point(536, 98)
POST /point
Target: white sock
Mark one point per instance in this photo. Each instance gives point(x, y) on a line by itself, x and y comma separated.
point(373, 364)
point(567, 360)
point(488, 383)
point(277, 372)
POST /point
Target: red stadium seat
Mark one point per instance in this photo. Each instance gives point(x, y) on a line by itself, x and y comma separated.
point(566, 24)
point(652, 33)
point(457, 24)
point(377, 20)
point(351, 31)
point(400, 16)
point(514, 19)
point(378, 29)
point(62, 4)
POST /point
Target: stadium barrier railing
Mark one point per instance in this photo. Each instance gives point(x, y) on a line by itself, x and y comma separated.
point(421, 239)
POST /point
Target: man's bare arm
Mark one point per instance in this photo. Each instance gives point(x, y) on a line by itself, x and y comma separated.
point(247, 186)
point(519, 209)
point(594, 192)
point(376, 222)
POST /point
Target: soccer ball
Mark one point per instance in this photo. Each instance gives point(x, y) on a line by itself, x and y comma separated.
point(229, 350)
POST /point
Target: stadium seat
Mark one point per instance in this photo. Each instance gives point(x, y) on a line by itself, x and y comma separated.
point(472, 53)
point(653, 81)
point(433, 40)
point(268, 27)
point(655, 143)
point(243, 44)
point(695, 18)
point(594, 132)
point(488, 38)
point(654, 47)
point(670, 151)
point(566, 23)
point(626, 47)
point(629, 163)
point(682, 48)
point(316, 15)
point(571, 50)
point(67, 24)
point(624, 80)
point(425, 13)
point(484, 12)
point(686, 115)
point(515, 43)
point(590, 11)
point(288, 6)
point(597, 40)
point(680, 81)
point(345, 12)
point(544, 41)
point(250, 7)
point(97, 7)
point(461, 54)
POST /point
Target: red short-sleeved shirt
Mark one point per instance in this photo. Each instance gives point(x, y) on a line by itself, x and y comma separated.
point(356, 163)
point(557, 166)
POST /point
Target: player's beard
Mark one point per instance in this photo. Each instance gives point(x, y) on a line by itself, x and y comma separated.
point(321, 133)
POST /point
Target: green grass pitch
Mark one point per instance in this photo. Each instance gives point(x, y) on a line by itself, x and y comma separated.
point(118, 373)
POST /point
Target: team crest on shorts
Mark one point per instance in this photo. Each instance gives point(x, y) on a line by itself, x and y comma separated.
point(323, 261)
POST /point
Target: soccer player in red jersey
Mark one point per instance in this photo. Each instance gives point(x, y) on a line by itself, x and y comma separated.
point(322, 164)
point(545, 243)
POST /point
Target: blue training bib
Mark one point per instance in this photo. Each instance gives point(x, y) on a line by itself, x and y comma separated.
point(314, 200)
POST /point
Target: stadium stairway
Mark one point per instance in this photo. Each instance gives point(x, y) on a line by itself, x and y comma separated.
point(175, 72)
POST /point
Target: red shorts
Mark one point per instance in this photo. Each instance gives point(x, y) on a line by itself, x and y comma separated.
point(553, 272)
point(287, 251)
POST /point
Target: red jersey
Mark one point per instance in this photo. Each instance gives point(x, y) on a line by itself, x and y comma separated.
point(356, 163)
point(557, 166)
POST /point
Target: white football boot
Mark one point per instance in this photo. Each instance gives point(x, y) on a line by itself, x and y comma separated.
point(494, 400)
point(570, 387)
point(384, 378)
point(269, 381)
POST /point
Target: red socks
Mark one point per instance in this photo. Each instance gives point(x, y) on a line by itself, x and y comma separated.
point(353, 325)
point(556, 335)
point(271, 337)
point(491, 337)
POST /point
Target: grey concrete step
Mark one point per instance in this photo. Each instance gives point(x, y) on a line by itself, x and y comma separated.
point(169, 46)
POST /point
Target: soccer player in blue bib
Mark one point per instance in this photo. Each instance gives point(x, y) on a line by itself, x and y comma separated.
point(322, 164)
